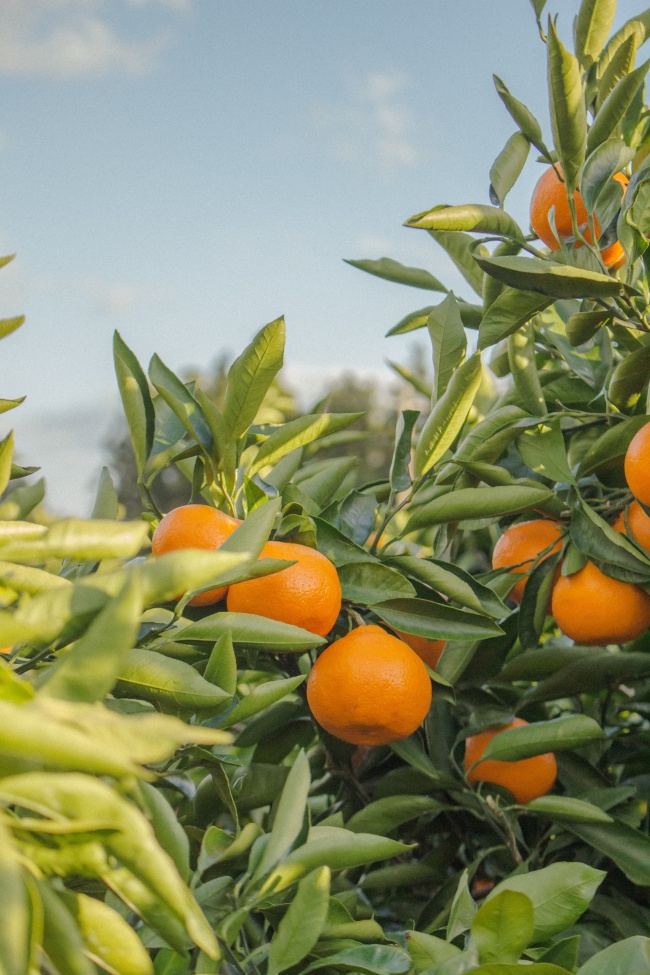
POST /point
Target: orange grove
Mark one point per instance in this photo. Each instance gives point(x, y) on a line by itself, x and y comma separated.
point(369, 688)
point(194, 526)
point(526, 779)
point(637, 465)
point(521, 544)
point(307, 594)
point(550, 192)
point(639, 523)
point(594, 609)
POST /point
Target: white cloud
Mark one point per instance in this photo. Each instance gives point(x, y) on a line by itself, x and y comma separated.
point(73, 39)
point(375, 127)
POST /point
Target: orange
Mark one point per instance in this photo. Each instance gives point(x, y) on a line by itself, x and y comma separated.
point(639, 523)
point(520, 545)
point(637, 465)
point(6, 650)
point(595, 609)
point(194, 526)
point(550, 192)
point(307, 594)
point(428, 650)
point(369, 688)
point(527, 778)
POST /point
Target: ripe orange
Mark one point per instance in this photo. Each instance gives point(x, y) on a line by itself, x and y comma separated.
point(527, 778)
point(594, 609)
point(6, 650)
point(637, 465)
point(639, 523)
point(428, 650)
point(194, 526)
point(307, 594)
point(550, 192)
point(369, 688)
point(522, 543)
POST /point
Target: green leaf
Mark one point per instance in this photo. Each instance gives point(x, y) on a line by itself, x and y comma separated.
point(542, 449)
point(535, 968)
point(565, 809)
point(609, 158)
point(257, 632)
point(297, 433)
point(582, 326)
point(463, 909)
point(110, 941)
point(14, 920)
point(449, 342)
point(474, 217)
point(560, 893)
point(289, 816)
point(548, 278)
point(620, 64)
point(172, 684)
point(366, 959)
point(503, 927)
point(628, 957)
point(6, 456)
point(446, 419)
point(221, 669)
point(22, 501)
point(369, 583)
point(521, 356)
point(62, 942)
point(457, 245)
point(136, 400)
point(181, 402)
point(452, 581)
point(567, 105)
point(508, 313)
point(9, 325)
point(473, 503)
point(627, 847)
point(558, 734)
point(615, 106)
point(391, 270)
point(595, 672)
point(524, 118)
point(261, 697)
point(592, 26)
point(426, 950)
point(612, 551)
point(506, 168)
point(385, 815)
point(168, 830)
point(435, 621)
point(88, 671)
point(301, 926)
point(79, 539)
point(611, 446)
point(250, 537)
point(106, 506)
point(251, 375)
point(410, 751)
point(400, 477)
point(340, 849)
point(629, 379)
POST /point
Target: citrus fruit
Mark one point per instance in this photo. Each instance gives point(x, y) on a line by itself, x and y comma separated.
point(6, 650)
point(639, 523)
point(428, 650)
point(194, 526)
point(521, 544)
point(307, 594)
point(594, 609)
point(527, 778)
point(369, 688)
point(637, 465)
point(550, 192)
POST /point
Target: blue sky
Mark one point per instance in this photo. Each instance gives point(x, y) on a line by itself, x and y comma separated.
point(187, 170)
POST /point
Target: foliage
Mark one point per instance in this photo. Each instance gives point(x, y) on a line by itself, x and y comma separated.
point(168, 803)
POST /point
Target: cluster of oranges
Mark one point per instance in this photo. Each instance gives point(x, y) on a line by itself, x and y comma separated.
point(589, 606)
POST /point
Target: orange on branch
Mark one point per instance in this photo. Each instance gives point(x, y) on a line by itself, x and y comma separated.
point(428, 650)
point(307, 594)
point(595, 609)
point(194, 526)
point(639, 523)
point(637, 465)
point(520, 545)
point(526, 778)
point(550, 193)
point(369, 688)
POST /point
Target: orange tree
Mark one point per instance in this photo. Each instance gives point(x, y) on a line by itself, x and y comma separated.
point(412, 736)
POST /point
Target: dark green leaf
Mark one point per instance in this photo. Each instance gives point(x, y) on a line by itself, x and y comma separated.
point(457, 245)
point(548, 278)
point(473, 503)
point(400, 477)
point(615, 106)
point(591, 674)
point(453, 582)
point(369, 583)
point(542, 449)
point(567, 104)
point(251, 375)
point(509, 312)
point(627, 847)
point(609, 158)
point(629, 379)
point(435, 621)
point(612, 551)
point(136, 400)
point(559, 734)
point(522, 116)
point(449, 342)
point(565, 809)
point(301, 926)
point(628, 957)
point(523, 368)
point(506, 168)
point(391, 270)
point(181, 403)
point(386, 814)
point(448, 415)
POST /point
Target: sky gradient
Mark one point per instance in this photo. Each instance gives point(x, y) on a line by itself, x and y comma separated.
point(188, 170)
